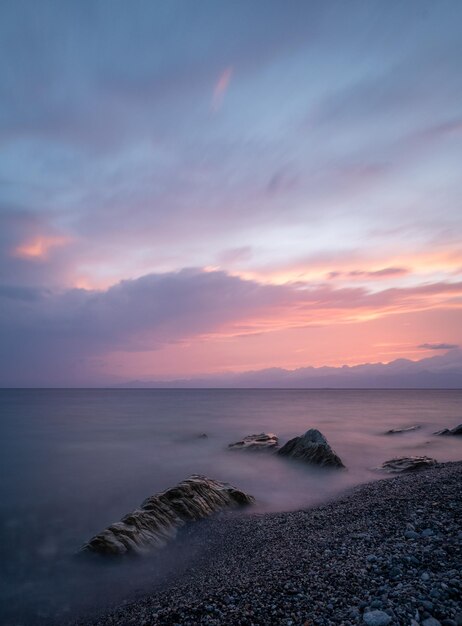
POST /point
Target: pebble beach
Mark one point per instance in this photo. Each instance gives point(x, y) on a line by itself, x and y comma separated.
point(388, 552)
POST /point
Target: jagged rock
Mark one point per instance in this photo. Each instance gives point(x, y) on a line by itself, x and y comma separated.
point(263, 441)
point(395, 431)
point(312, 447)
point(407, 464)
point(159, 517)
point(457, 430)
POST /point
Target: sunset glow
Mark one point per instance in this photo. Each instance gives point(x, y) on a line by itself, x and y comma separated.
point(238, 195)
point(39, 247)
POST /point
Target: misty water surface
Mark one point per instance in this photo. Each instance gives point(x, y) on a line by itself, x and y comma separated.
point(74, 461)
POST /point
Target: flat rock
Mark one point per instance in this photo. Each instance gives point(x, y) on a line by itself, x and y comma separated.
point(457, 430)
point(262, 441)
point(312, 447)
point(407, 464)
point(157, 520)
point(395, 431)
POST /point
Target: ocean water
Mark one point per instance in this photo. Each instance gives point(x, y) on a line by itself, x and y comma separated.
point(74, 461)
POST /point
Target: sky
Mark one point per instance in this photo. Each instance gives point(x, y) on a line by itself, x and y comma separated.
point(211, 187)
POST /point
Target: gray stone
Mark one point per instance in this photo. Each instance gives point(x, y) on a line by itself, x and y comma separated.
point(457, 430)
point(396, 431)
point(312, 447)
point(376, 618)
point(411, 534)
point(263, 441)
point(407, 464)
point(431, 621)
point(159, 517)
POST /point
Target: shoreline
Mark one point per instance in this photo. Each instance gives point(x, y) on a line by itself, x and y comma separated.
point(387, 550)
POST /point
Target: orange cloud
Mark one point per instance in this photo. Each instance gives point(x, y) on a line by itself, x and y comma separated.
point(351, 266)
point(221, 87)
point(39, 247)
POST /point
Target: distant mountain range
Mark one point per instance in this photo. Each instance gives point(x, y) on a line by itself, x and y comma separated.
point(438, 372)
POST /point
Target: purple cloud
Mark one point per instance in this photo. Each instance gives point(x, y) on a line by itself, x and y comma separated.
point(51, 334)
point(438, 346)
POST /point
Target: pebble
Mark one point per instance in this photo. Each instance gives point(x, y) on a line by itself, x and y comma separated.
point(431, 621)
point(377, 618)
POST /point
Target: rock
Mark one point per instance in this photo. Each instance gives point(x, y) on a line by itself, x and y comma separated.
point(376, 618)
point(263, 441)
point(203, 436)
point(431, 621)
point(411, 534)
point(457, 430)
point(395, 431)
point(312, 447)
point(159, 517)
point(407, 464)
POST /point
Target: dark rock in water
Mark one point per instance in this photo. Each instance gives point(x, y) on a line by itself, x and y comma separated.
point(395, 431)
point(457, 430)
point(263, 441)
point(312, 447)
point(407, 464)
point(203, 436)
point(159, 517)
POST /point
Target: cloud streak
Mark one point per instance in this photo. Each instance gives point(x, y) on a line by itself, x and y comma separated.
point(438, 346)
point(221, 87)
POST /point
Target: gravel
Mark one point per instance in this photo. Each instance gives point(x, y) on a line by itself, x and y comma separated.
point(389, 552)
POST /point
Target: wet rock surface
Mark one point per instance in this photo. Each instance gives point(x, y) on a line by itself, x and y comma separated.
point(312, 448)
point(388, 553)
point(159, 517)
point(457, 430)
point(263, 441)
point(397, 431)
point(407, 464)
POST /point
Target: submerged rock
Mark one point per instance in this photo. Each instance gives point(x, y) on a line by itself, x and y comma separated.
point(407, 464)
point(159, 517)
point(312, 447)
point(263, 441)
point(457, 430)
point(395, 431)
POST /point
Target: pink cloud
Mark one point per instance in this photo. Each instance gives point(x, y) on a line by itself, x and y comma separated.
point(221, 87)
point(54, 332)
point(385, 272)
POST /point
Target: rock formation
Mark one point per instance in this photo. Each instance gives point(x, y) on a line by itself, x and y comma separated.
point(312, 447)
point(159, 517)
point(395, 431)
point(263, 441)
point(457, 430)
point(407, 464)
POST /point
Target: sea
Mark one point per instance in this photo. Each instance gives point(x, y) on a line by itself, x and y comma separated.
point(74, 461)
